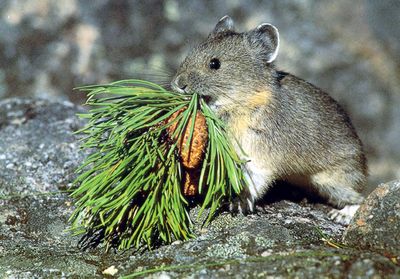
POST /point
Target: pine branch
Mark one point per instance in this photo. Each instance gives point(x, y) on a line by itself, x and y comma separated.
point(130, 186)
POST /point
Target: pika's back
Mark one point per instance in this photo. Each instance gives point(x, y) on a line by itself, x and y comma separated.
point(312, 126)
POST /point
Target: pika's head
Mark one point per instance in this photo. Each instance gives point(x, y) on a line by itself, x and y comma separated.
point(230, 67)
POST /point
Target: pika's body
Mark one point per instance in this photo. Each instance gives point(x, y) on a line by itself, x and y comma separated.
point(287, 127)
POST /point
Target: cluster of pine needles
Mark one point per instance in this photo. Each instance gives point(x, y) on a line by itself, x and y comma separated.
point(129, 190)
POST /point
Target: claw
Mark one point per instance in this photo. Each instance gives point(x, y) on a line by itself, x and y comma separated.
point(344, 215)
point(242, 206)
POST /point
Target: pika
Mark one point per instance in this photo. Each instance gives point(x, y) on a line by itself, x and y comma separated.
point(287, 127)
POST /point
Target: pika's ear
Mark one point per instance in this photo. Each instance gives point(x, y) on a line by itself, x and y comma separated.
point(224, 24)
point(266, 38)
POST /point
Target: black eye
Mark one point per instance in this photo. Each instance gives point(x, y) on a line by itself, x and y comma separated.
point(215, 64)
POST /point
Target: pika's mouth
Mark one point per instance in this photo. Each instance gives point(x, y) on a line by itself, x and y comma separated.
point(211, 101)
point(208, 99)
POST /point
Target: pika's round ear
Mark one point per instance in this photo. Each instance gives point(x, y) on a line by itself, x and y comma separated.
point(224, 24)
point(266, 37)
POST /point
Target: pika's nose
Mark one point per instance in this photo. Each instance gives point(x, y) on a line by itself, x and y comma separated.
point(179, 83)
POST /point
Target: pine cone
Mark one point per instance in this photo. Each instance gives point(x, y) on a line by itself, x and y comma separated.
point(191, 157)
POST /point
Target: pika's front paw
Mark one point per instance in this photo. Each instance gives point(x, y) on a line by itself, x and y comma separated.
point(242, 205)
point(344, 215)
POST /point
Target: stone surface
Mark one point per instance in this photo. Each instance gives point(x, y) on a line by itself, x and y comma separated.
point(350, 49)
point(283, 240)
point(38, 151)
point(376, 225)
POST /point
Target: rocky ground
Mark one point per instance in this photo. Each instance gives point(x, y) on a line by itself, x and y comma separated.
point(285, 239)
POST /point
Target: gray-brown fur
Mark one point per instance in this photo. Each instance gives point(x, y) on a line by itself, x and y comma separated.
point(287, 127)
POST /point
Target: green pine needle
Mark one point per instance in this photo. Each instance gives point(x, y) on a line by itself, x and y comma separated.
point(130, 186)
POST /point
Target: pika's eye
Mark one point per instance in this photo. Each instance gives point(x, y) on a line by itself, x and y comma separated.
point(215, 64)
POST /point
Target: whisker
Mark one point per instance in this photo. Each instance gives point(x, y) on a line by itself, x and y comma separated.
point(160, 69)
point(158, 76)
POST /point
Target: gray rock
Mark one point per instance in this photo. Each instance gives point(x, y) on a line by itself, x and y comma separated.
point(283, 240)
point(376, 225)
point(38, 151)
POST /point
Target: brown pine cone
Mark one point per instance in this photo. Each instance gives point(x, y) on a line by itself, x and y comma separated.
point(191, 157)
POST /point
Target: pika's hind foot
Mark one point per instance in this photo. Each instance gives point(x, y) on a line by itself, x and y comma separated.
point(344, 215)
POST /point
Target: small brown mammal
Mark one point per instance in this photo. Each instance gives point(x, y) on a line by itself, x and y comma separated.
point(286, 126)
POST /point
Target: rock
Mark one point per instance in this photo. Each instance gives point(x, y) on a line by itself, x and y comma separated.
point(376, 225)
point(38, 151)
point(38, 154)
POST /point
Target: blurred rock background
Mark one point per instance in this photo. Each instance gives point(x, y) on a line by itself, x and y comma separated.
point(349, 48)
